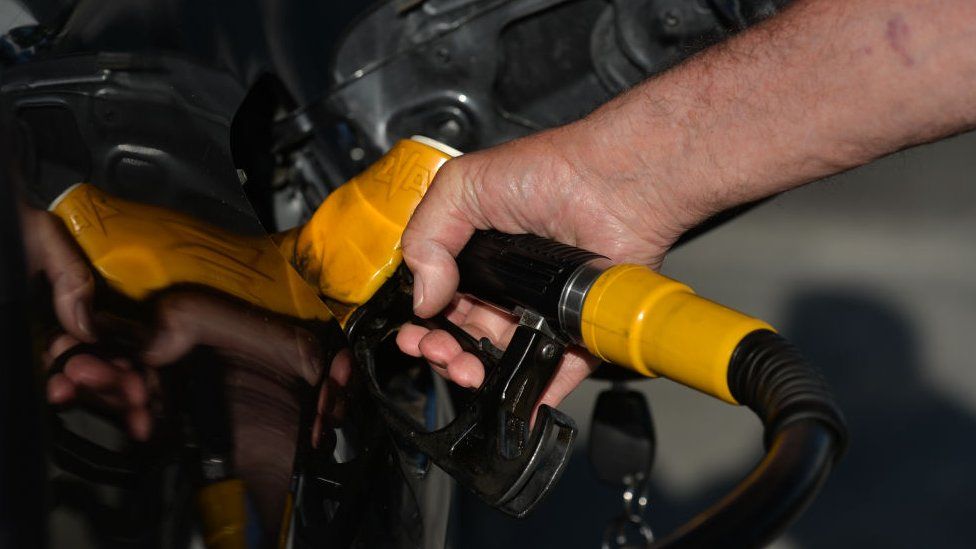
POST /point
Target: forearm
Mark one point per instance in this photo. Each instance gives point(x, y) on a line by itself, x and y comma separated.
point(823, 87)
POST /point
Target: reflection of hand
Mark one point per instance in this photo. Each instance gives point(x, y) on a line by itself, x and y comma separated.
point(111, 384)
point(266, 357)
point(250, 341)
point(51, 251)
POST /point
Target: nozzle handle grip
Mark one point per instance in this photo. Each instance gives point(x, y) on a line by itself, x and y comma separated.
point(524, 270)
point(627, 314)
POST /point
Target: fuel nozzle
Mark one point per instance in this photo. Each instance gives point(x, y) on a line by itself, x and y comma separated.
point(625, 314)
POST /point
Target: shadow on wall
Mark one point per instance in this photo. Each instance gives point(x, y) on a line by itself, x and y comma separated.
point(908, 479)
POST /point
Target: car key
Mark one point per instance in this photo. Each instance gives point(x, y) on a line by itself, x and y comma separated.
point(621, 449)
point(621, 436)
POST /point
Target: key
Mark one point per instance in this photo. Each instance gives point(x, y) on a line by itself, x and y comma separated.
point(622, 439)
point(622, 452)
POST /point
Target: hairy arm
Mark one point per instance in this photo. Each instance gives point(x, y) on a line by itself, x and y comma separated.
point(823, 87)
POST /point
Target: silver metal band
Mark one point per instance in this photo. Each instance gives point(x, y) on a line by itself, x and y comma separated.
point(574, 295)
point(443, 147)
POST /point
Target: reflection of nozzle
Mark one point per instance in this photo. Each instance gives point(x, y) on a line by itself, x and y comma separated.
point(221, 498)
point(141, 249)
point(223, 514)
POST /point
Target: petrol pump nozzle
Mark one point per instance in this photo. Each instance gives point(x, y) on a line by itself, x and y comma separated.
point(625, 314)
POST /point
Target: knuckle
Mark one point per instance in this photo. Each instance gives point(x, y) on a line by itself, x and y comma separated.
point(175, 305)
point(308, 351)
point(75, 278)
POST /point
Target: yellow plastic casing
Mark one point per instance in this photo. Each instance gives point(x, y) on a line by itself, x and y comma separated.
point(351, 246)
point(140, 249)
point(637, 318)
point(223, 514)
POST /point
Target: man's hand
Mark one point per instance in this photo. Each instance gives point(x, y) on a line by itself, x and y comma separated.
point(51, 251)
point(820, 88)
point(550, 184)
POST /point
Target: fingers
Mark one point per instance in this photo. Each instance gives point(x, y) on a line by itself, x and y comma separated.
point(60, 390)
point(447, 359)
point(483, 321)
point(439, 228)
point(50, 249)
point(575, 366)
point(331, 406)
point(190, 319)
point(110, 383)
point(466, 370)
point(140, 423)
point(440, 349)
point(444, 353)
point(408, 339)
point(73, 287)
point(410, 334)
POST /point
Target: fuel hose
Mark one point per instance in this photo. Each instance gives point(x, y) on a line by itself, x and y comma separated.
point(639, 319)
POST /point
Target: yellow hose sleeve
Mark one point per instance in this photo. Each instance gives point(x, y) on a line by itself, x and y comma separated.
point(642, 320)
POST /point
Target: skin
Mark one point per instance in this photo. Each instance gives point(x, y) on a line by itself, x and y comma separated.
point(267, 360)
point(820, 88)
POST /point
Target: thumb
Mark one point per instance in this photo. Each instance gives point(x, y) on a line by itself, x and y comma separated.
point(438, 230)
point(50, 250)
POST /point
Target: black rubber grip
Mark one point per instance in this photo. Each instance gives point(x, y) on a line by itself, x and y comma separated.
point(769, 375)
point(523, 270)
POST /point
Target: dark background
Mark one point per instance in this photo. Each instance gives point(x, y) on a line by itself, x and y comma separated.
point(873, 274)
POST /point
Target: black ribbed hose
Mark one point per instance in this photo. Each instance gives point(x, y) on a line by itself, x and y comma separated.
point(519, 270)
point(769, 375)
point(805, 434)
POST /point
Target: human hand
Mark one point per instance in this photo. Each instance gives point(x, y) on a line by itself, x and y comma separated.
point(50, 251)
point(268, 360)
point(563, 184)
point(112, 384)
point(108, 383)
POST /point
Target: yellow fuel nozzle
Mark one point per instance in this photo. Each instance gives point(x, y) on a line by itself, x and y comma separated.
point(351, 246)
point(625, 314)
